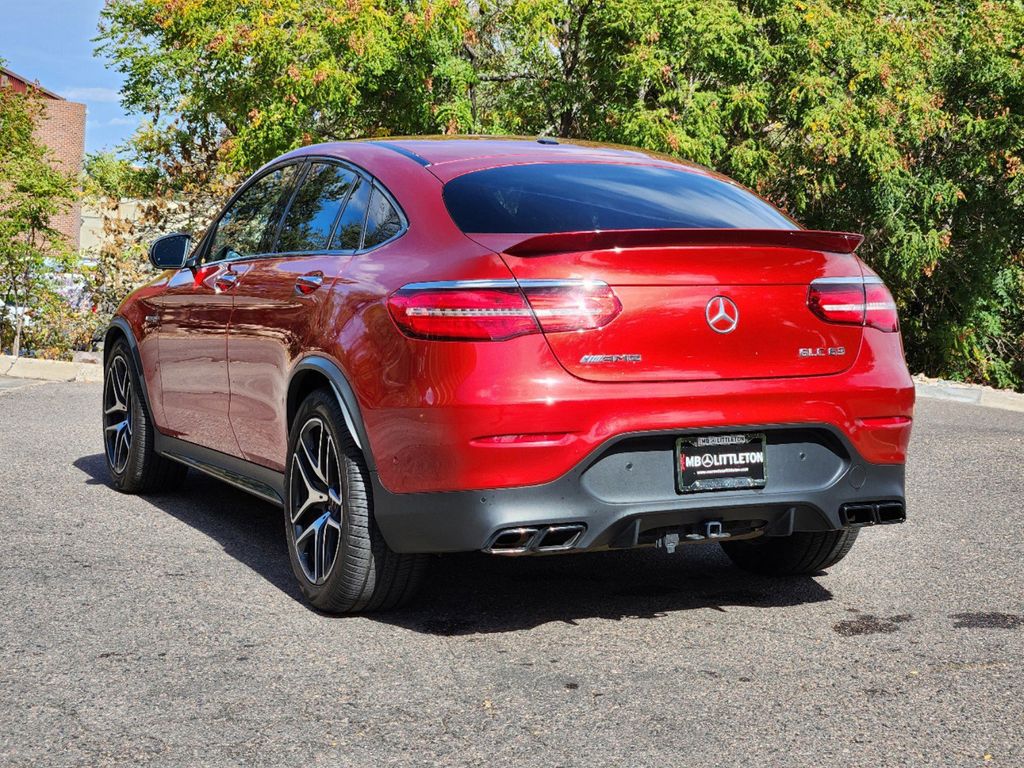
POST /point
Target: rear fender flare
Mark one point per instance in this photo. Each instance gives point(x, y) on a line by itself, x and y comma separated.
point(345, 396)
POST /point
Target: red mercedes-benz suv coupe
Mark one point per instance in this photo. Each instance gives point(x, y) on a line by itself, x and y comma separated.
point(523, 347)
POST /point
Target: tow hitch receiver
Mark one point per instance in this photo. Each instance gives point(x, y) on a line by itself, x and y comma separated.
point(705, 531)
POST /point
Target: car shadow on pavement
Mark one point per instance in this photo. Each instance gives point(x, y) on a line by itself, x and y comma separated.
point(248, 529)
point(474, 593)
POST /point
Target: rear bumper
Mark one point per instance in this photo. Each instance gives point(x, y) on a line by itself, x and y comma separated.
point(507, 415)
point(624, 495)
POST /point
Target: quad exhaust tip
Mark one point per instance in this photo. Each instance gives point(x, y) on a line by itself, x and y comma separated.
point(867, 513)
point(542, 538)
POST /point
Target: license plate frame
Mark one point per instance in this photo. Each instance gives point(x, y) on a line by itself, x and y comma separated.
point(735, 468)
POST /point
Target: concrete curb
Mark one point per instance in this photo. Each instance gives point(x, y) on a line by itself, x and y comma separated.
point(970, 394)
point(49, 370)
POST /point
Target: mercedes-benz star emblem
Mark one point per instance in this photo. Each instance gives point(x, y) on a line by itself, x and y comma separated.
point(722, 315)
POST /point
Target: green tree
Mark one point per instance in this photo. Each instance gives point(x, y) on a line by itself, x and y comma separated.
point(256, 78)
point(110, 175)
point(32, 192)
point(901, 119)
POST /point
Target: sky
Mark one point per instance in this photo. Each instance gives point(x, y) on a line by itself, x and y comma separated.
point(51, 41)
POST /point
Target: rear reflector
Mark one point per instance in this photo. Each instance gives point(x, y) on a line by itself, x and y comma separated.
point(854, 301)
point(519, 441)
point(494, 310)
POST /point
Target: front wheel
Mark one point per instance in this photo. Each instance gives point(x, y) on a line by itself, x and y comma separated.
point(793, 555)
point(128, 433)
point(338, 555)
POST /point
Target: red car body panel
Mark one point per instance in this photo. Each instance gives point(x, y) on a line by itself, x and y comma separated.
point(447, 416)
point(259, 354)
point(664, 293)
point(433, 437)
point(192, 340)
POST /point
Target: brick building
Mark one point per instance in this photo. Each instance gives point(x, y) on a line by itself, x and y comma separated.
point(62, 129)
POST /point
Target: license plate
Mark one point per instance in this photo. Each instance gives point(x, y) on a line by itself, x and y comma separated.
point(720, 462)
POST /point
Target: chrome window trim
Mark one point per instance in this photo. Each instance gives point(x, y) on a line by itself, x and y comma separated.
point(302, 160)
point(374, 183)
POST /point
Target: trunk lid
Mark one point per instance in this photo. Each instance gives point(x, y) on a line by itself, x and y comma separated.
point(696, 304)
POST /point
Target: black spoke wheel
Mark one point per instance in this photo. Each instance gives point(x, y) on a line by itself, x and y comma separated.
point(128, 433)
point(316, 496)
point(338, 555)
point(117, 413)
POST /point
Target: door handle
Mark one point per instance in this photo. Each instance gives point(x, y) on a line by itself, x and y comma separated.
point(225, 281)
point(306, 284)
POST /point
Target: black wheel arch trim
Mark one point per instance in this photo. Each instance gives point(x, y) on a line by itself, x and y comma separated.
point(345, 395)
point(120, 326)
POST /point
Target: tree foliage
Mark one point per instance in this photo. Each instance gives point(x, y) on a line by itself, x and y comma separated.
point(33, 255)
point(902, 119)
point(135, 205)
point(109, 175)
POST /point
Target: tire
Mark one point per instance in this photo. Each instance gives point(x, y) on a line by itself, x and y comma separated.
point(797, 554)
point(338, 555)
point(128, 431)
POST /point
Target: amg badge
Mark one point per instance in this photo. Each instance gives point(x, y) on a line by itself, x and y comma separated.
point(596, 359)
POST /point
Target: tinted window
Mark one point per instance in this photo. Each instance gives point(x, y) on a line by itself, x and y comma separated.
point(576, 197)
point(382, 220)
point(311, 215)
point(350, 228)
point(248, 226)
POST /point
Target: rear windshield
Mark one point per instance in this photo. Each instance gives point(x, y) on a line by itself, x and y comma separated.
point(577, 197)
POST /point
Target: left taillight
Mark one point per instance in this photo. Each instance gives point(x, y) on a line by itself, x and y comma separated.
point(501, 309)
point(854, 301)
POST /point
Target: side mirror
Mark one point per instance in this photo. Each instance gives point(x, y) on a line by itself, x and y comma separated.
point(170, 251)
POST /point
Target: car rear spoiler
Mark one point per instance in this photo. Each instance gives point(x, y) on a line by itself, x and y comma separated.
point(600, 240)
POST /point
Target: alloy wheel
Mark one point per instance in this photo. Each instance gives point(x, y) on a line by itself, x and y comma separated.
point(117, 414)
point(315, 500)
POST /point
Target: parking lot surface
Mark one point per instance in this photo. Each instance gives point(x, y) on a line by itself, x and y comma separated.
point(168, 631)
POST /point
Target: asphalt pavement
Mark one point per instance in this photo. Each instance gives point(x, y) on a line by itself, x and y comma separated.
point(167, 631)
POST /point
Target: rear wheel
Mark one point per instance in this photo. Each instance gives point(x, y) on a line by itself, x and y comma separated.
point(797, 554)
point(338, 555)
point(128, 431)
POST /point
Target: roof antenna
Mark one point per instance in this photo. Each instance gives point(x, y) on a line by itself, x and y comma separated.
point(547, 140)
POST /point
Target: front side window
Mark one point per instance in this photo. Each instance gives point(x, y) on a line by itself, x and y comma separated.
point(575, 197)
point(247, 228)
point(307, 225)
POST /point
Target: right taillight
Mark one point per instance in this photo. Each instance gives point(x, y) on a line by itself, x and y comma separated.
point(879, 307)
point(854, 301)
point(495, 310)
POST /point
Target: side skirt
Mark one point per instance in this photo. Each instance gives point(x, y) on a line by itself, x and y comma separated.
point(261, 482)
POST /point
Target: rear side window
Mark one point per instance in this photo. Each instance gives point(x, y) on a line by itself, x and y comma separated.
point(382, 220)
point(349, 233)
point(247, 227)
point(314, 208)
point(577, 197)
